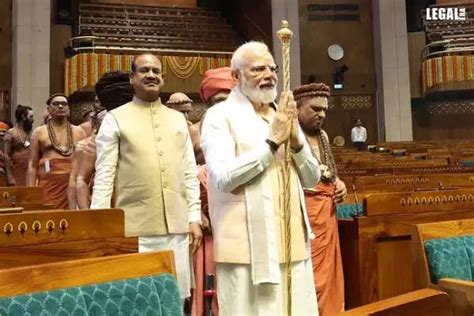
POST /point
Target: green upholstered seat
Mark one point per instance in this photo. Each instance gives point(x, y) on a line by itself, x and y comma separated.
point(469, 242)
point(348, 210)
point(448, 258)
point(467, 163)
point(153, 295)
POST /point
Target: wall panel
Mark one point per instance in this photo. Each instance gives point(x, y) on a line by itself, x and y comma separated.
point(317, 33)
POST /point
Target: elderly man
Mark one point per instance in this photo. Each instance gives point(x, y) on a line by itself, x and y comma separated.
point(312, 102)
point(51, 148)
point(145, 149)
point(182, 103)
point(17, 146)
point(242, 139)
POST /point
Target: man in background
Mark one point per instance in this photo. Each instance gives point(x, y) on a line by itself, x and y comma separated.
point(52, 145)
point(182, 103)
point(18, 145)
point(359, 135)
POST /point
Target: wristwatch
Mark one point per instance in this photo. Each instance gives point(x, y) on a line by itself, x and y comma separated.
point(273, 146)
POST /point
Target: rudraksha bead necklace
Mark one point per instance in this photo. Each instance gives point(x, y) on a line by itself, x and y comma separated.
point(54, 139)
point(325, 157)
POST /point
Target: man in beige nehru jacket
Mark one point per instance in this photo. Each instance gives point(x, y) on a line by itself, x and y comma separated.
point(145, 154)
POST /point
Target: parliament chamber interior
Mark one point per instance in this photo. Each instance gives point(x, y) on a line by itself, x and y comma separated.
point(389, 219)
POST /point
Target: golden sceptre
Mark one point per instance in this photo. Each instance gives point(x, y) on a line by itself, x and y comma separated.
point(285, 35)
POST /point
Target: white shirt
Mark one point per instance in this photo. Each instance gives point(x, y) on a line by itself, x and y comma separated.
point(359, 134)
point(108, 140)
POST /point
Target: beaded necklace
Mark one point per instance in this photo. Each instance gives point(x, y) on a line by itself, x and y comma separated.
point(26, 142)
point(54, 139)
point(325, 158)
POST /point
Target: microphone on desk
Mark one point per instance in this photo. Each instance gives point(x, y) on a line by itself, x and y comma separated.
point(360, 211)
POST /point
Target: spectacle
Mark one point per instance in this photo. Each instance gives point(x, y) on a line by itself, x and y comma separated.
point(58, 103)
point(261, 69)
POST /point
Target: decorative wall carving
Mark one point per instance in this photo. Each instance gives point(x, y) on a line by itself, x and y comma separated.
point(441, 198)
point(356, 102)
point(400, 181)
point(459, 107)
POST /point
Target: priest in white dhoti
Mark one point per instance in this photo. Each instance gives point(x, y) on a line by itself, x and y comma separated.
point(243, 143)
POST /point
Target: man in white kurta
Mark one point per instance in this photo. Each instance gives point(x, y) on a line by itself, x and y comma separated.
point(242, 139)
point(145, 155)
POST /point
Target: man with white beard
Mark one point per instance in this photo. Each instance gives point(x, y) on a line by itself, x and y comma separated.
point(242, 140)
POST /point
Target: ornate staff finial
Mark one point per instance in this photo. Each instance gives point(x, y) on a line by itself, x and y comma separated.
point(285, 34)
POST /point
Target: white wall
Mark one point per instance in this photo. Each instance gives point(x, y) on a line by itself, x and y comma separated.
point(392, 70)
point(31, 46)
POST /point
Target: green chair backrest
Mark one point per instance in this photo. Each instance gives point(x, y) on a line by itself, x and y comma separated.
point(152, 295)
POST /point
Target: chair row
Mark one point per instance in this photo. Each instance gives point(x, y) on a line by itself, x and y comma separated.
point(147, 16)
point(113, 22)
point(97, 30)
point(148, 9)
point(141, 43)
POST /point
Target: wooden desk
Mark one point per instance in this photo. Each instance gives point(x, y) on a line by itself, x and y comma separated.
point(425, 302)
point(30, 198)
point(376, 249)
point(48, 236)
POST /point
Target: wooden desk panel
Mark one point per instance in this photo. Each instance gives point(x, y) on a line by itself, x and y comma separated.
point(369, 246)
point(425, 302)
point(55, 226)
point(26, 197)
point(71, 273)
point(19, 256)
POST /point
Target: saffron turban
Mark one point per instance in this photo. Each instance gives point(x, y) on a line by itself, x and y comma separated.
point(215, 81)
point(4, 126)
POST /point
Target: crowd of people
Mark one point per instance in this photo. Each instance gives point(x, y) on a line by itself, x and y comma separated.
point(211, 190)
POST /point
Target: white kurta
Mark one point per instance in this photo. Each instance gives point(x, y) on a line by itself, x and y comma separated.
point(237, 291)
point(265, 299)
point(180, 246)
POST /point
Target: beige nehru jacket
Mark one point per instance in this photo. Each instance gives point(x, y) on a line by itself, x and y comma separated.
point(155, 171)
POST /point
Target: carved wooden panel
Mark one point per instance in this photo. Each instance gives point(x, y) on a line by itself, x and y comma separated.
point(26, 197)
point(39, 227)
point(418, 202)
point(411, 182)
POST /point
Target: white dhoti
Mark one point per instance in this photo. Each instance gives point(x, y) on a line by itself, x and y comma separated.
point(237, 295)
point(180, 246)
